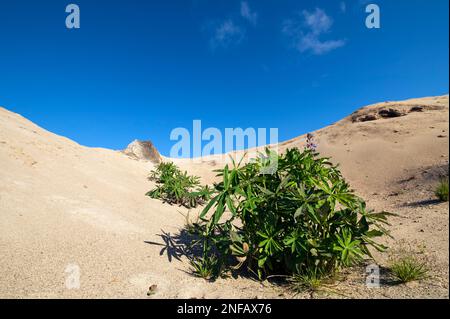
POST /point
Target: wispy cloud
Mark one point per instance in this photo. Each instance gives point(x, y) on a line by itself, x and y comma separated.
point(231, 31)
point(226, 34)
point(343, 7)
point(307, 29)
point(248, 14)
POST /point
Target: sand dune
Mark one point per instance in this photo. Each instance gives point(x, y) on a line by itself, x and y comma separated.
point(62, 203)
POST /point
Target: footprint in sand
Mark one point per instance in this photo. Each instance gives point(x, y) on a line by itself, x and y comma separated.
point(95, 216)
point(105, 220)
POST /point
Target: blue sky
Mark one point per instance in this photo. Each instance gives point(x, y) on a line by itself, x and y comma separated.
point(138, 69)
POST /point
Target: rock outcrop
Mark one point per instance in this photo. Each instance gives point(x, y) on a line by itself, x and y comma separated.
point(388, 110)
point(143, 150)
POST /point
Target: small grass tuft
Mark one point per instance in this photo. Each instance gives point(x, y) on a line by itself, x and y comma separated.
point(205, 267)
point(310, 280)
point(408, 268)
point(441, 191)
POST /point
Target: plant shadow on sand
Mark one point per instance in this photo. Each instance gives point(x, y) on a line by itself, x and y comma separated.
point(178, 245)
point(387, 278)
point(422, 203)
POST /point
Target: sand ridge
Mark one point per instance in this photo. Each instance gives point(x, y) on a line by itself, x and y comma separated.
point(62, 203)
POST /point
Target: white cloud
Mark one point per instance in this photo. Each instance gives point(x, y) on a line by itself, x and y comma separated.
point(227, 33)
point(343, 7)
point(318, 21)
point(307, 29)
point(312, 43)
point(247, 13)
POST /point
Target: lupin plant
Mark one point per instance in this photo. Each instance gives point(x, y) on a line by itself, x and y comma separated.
point(302, 218)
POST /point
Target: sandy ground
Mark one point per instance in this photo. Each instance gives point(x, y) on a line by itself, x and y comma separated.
point(63, 204)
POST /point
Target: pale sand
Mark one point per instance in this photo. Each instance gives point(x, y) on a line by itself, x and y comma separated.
point(62, 203)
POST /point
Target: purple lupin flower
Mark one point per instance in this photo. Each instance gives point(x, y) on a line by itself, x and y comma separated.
point(310, 143)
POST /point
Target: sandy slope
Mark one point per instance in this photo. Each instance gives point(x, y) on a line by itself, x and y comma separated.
point(62, 203)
